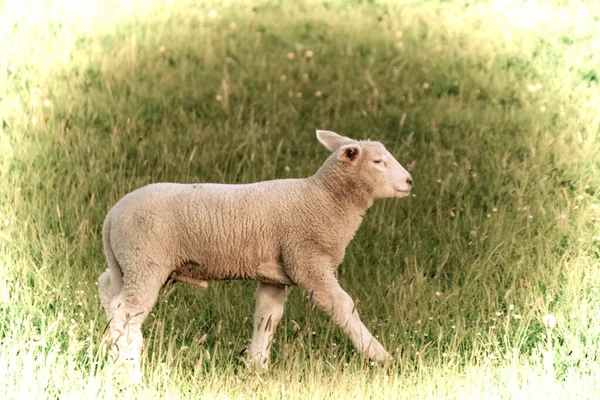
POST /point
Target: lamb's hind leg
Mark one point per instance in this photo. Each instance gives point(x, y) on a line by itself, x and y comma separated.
point(109, 285)
point(269, 310)
point(129, 309)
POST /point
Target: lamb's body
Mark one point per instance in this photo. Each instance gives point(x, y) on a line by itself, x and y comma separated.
point(281, 233)
point(214, 231)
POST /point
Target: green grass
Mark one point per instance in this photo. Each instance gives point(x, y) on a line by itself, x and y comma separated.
point(503, 227)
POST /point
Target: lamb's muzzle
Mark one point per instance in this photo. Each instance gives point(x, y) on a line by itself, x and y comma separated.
point(282, 233)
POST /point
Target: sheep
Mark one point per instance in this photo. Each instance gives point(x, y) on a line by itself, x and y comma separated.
point(283, 233)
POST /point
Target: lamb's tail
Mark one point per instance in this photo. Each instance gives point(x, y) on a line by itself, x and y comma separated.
point(110, 282)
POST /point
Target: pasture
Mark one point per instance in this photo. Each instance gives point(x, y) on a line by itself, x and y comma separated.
point(483, 284)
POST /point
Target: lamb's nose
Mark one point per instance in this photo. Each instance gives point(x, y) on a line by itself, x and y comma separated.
point(409, 180)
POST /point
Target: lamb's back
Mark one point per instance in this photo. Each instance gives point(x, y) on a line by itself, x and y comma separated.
point(228, 228)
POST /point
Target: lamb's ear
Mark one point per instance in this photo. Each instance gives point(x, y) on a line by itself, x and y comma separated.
point(349, 152)
point(332, 141)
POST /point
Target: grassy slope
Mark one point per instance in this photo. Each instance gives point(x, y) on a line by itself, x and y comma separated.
point(502, 225)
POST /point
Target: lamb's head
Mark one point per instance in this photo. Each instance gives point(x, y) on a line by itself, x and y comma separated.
point(369, 162)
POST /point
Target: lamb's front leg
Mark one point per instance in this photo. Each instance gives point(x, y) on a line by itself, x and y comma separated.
point(327, 293)
point(269, 310)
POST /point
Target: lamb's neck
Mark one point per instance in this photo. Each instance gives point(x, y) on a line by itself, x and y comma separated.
point(346, 192)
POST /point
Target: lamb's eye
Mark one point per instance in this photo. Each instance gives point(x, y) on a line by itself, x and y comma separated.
point(377, 161)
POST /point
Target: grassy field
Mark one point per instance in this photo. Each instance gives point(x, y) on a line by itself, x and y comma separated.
point(493, 107)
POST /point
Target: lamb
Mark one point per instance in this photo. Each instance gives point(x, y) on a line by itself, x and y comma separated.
point(283, 233)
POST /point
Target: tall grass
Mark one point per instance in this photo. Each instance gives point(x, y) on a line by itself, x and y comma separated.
point(493, 107)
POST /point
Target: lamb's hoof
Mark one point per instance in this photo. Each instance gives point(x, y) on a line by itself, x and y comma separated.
point(383, 362)
point(135, 376)
point(259, 364)
point(379, 355)
point(126, 372)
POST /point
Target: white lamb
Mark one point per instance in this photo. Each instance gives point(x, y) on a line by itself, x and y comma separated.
point(282, 233)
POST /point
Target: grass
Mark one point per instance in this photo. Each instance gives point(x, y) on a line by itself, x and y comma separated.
point(493, 106)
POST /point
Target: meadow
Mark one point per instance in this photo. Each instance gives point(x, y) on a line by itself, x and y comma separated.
point(483, 284)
